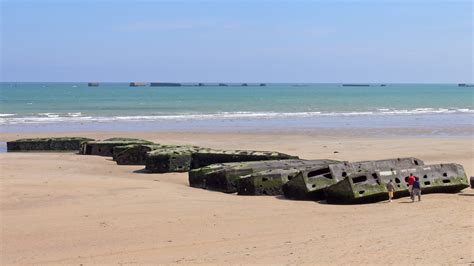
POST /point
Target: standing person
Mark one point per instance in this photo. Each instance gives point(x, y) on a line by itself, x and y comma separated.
point(390, 189)
point(416, 190)
point(411, 180)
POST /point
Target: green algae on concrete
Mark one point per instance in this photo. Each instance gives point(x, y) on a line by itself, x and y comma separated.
point(268, 182)
point(47, 144)
point(310, 184)
point(370, 186)
point(137, 154)
point(439, 178)
point(118, 149)
point(192, 157)
point(134, 154)
point(224, 177)
point(175, 159)
point(105, 147)
point(204, 157)
point(271, 182)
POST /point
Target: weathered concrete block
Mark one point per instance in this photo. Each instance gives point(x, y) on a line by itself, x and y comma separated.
point(440, 178)
point(118, 149)
point(204, 157)
point(47, 144)
point(370, 186)
point(169, 159)
point(134, 154)
point(272, 182)
point(268, 182)
point(195, 157)
point(223, 177)
point(105, 147)
point(310, 184)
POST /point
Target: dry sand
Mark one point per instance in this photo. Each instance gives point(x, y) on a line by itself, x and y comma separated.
point(71, 209)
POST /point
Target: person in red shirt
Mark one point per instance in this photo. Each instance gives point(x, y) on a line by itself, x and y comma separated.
point(411, 180)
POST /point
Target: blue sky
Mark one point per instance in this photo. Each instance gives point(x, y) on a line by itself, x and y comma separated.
point(237, 41)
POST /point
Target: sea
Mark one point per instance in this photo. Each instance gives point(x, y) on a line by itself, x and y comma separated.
point(444, 109)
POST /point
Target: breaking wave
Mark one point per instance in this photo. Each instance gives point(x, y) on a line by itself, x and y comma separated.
point(78, 117)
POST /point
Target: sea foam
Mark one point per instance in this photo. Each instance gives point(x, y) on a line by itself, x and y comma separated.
point(79, 117)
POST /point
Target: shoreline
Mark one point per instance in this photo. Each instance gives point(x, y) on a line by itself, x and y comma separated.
point(443, 125)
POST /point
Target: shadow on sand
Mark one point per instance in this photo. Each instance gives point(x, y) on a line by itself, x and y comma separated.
point(464, 194)
point(141, 171)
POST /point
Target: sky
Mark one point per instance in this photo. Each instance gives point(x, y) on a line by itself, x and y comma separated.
point(401, 41)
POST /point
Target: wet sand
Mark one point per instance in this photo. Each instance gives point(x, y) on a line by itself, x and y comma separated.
point(72, 209)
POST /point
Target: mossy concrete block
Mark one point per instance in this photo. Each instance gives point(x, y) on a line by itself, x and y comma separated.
point(118, 149)
point(310, 184)
point(169, 159)
point(341, 170)
point(47, 144)
point(224, 177)
point(134, 154)
point(370, 186)
point(161, 159)
point(272, 182)
point(268, 182)
point(204, 157)
point(439, 178)
point(213, 176)
point(106, 147)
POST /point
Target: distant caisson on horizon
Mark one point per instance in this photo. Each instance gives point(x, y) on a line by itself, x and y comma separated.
point(165, 84)
point(355, 85)
point(137, 84)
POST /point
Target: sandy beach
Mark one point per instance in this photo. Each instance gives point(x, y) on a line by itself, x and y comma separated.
point(63, 208)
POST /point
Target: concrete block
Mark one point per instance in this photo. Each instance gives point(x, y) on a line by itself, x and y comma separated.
point(177, 159)
point(204, 157)
point(310, 184)
point(105, 147)
point(134, 154)
point(370, 186)
point(224, 177)
point(47, 144)
point(268, 182)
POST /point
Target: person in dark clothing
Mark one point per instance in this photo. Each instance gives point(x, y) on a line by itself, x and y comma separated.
point(416, 190)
